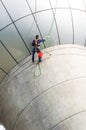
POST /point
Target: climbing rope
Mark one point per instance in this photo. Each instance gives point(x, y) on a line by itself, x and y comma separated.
point(48, 35)
point(37, 71)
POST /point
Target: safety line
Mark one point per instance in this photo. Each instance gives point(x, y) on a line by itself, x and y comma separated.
point(52, 20)
point(51, 25)
point(72, 21)
point(55, 22)
point(35, 22)
point(37, 70)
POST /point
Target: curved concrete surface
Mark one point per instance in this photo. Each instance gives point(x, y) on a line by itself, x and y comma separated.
point(48, 96)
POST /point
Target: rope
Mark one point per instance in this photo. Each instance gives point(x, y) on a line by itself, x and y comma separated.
point(38, 66)
point(37, 71)
point(51, 23)
point(50, 29)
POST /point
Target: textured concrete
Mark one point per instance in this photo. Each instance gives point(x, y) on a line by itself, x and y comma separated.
point(49, 96)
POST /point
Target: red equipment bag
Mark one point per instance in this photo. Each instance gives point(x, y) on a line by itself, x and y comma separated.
point(40, 54)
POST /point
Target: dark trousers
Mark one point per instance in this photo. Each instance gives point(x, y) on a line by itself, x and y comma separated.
point(33, 54)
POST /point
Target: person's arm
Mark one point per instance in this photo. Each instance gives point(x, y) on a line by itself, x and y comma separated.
point(40, 41)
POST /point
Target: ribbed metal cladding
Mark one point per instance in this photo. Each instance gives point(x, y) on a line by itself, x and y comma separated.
point(65, 24)
point(48, 96)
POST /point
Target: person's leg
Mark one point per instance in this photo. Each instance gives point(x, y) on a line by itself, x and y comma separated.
point(39, 59)
point(33, 54)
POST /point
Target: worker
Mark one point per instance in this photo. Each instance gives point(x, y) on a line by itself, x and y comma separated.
point(36, 48)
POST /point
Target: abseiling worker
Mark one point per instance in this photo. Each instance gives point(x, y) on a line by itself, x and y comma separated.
point(36, 48)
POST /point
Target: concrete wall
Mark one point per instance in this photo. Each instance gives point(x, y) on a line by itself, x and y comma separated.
point(49, 96)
